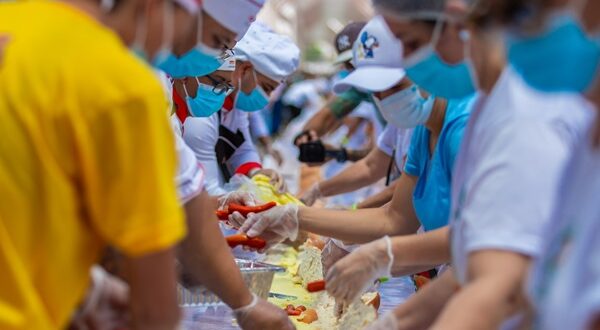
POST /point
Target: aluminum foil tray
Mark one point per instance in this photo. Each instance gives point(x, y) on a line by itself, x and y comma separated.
point(257, 275)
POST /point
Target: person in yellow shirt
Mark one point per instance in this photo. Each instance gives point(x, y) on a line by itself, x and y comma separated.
point(86, 161)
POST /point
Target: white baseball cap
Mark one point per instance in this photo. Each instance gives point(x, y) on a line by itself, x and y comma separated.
point(272, 54)
point(235, 15)
point(377, 57)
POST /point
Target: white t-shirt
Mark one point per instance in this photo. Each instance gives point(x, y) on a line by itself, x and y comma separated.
point(514, 152)
point(395, 141)
point(202, 135)
point(565, 281)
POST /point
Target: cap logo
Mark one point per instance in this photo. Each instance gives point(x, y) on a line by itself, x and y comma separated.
point(343, 42)
point(368, 45)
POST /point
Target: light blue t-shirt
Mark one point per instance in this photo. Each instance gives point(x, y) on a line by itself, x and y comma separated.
point(431, 197)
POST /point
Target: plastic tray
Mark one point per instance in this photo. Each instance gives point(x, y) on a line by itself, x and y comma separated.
point(257, 275)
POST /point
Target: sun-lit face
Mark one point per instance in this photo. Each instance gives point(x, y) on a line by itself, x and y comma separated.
point(250, 79)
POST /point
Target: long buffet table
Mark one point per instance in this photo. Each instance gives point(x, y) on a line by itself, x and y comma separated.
point(219, 316)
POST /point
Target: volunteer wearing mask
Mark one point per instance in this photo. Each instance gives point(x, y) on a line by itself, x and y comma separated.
point(63, 204)
point(566, 272)
point(422, 194)
point(222, 141)
point(507, 177)
point(203, 255)
point(218, 29)
point(434, 46)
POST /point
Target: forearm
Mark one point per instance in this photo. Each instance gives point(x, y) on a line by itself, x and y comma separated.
point(153, 297)
point(381, 198)
point(486, 305)
point(205, 256)
point(493, 292)
point(420, 251)
point(353, 177)
point(360, 226)
point(355, 155)
point(360, 174)
point(420, 310)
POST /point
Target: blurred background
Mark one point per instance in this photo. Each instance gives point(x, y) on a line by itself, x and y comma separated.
point(312, 24)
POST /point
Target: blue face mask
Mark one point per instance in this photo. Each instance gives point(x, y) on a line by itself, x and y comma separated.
point(431, 73)
point(428, 71)
point(406, 108)
point(198, 62)
point(255, 101)
point(561, 58)
point(206, 101)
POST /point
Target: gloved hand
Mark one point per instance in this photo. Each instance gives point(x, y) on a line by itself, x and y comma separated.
point(386, 322)
point(355, 273)
point(311, 195)
point(274, 225)
point(260, 314)
point(238, 197)
point(107, 304)
point(331, 254)
point(277, 179)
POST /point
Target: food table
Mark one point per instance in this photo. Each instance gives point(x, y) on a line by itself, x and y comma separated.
point(219, 316)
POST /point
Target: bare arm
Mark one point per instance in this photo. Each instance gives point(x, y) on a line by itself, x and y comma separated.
point(361, 226)
point(205, 256)
point(360, 174)
point(492, 294)
point(420, 251)
point(152, 281)
point(381, 198)
point(420, 310)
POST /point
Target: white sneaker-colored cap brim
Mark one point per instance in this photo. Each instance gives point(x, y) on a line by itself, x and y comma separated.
point(370, 79)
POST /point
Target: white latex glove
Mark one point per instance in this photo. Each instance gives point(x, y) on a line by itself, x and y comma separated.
point(355, 273)
point(260, 314)
point(274, 225)
point(331, 254)
point(387, 322)
point(238, 197)
point(311, 195)
point(106, 305)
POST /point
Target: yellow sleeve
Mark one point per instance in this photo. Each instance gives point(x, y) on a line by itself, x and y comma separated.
point(129, 164)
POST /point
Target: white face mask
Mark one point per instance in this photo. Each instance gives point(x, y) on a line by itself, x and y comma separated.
point(406, 108)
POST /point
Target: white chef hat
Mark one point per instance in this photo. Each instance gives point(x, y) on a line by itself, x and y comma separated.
point(273, 55)
point(235, 15)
